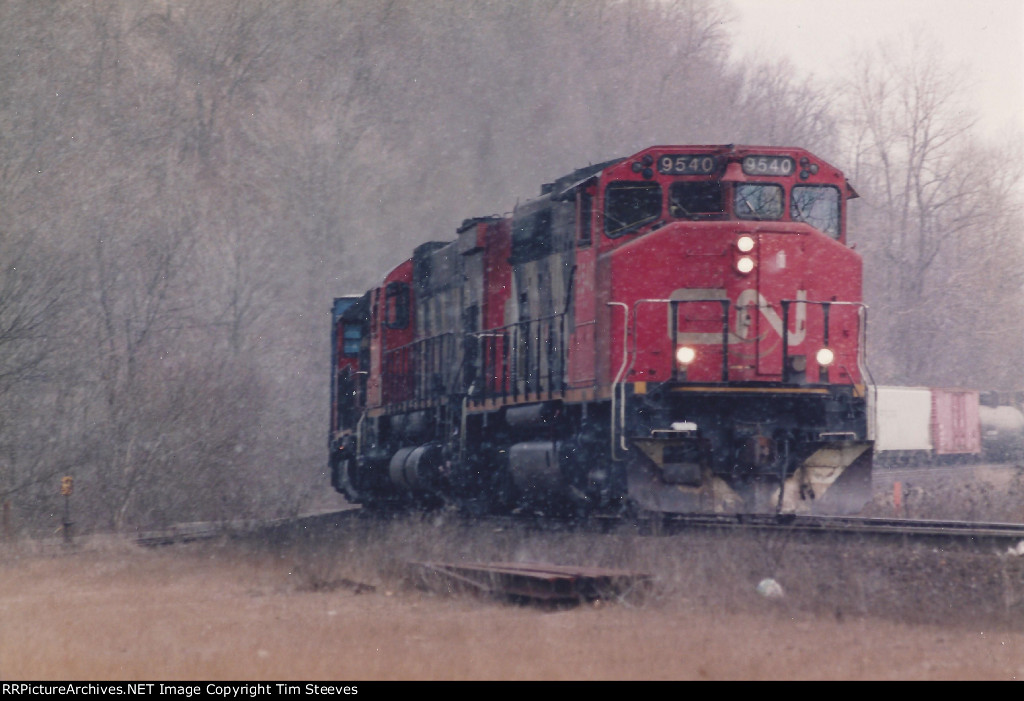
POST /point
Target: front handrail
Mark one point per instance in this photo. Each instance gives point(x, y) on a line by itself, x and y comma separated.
point(674, 317)
point(632, 349)
point(826, 308)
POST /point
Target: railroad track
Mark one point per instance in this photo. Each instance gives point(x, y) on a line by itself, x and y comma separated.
point(883, 474)
point(941, 533)
point(964, 534)
point(209, 530)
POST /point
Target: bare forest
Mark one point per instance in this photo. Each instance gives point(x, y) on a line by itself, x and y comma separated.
point(185, 186)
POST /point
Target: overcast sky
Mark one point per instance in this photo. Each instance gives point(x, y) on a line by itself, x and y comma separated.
point(987, 36)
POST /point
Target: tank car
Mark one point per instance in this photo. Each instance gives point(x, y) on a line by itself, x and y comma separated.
point(1002, 432)
point(681, 330)
point(1002, 425)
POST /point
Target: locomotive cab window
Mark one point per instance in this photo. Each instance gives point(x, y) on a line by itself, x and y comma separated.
point(396, 305)
point(757, 201)
point(688, 199)
point(628, 205)
point(818, 205)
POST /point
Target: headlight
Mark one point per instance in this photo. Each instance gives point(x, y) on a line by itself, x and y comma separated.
point(745, 243)
point(745, 264)
point(685, 355)
point(825, 356)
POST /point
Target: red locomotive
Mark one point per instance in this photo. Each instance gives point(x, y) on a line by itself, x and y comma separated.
point(681, 330)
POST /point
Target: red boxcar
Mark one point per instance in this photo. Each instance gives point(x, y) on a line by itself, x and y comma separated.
point(956, 425)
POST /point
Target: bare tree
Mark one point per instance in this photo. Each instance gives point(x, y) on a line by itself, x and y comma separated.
point(931, 197)
point(184, 186)
point(39, 74)
point(788, 110)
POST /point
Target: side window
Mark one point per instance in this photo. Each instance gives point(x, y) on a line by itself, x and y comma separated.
point(628, 204)
point(756, 201)
point(396, 305)
point(351, 337)
point(585, 215)
point(818, 205)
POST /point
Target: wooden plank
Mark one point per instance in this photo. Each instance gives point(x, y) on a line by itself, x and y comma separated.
point(534, 580)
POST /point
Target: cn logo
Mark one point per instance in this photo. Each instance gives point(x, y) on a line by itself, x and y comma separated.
point(750, 301)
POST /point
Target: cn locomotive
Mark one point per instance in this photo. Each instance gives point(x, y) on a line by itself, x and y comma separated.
point(681, 330)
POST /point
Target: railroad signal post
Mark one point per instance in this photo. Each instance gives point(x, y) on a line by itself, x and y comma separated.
point(66, 488)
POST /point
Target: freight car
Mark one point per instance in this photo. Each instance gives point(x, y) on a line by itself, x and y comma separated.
point(680, 330)
point(915, 425)
point(1002, 428)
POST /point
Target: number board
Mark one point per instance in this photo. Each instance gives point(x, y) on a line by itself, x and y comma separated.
point(768, 165)
point(688, 164)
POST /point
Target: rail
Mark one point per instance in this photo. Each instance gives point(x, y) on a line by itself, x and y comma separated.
point(420, 370)
point(524, 360)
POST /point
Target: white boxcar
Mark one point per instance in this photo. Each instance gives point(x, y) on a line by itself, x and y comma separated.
point(901, 419)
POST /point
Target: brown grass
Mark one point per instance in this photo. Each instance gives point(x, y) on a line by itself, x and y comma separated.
point(342, 606)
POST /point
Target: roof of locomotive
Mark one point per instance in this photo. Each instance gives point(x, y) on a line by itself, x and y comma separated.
point(561, 187)
point(730, 150)
point(568, 182)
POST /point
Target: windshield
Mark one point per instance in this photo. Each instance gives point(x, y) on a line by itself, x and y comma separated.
point(754, 201)
point(818, 205)
point(686, 199)
point(630, 204)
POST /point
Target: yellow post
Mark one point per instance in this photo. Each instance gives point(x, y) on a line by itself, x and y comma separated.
point(66, 487)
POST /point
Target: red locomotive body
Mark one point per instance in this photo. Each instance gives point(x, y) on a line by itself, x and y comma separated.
point(680, 330)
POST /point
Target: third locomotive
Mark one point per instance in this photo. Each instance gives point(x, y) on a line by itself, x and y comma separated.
point(681, 330)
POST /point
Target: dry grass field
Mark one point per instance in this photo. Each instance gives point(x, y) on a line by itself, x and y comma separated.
point(343, 606)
